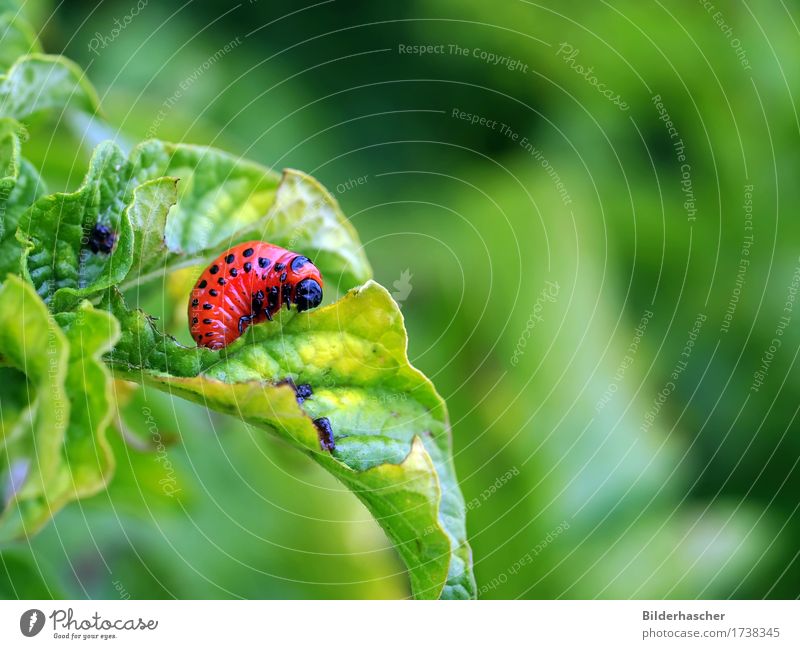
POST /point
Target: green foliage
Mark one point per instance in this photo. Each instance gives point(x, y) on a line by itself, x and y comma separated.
point(40, 82)
point(701, 505)
point(220, 194)
point(20, 186)
point(55, 449)
point(391, 428)
point(65, 325)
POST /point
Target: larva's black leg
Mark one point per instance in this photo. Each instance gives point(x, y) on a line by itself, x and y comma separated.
point(268, 314)
point(325, 433)
point(273, 299)
point(286, 295)
point(245, 319)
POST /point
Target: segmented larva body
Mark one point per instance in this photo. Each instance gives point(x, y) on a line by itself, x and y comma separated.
point(246, 285)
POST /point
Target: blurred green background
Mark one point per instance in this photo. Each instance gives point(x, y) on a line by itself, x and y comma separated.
point(573, 287)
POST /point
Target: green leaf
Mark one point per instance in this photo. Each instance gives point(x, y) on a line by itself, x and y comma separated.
point(220, 199)
point(59, 258)
point(16, 39)
point(56, 231)
point(15, 409)
point(9, 166)
point(20, 186)
point(391, 428)
point(42, 82)
point(219, 194)
point(59, 451)
point(148, 217)
point(32, 343)
point(90, 333)
point(28, 188)
point(224, 199)
point(306, 217)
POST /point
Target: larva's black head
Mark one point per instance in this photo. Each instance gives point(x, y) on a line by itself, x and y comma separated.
point(308, 294)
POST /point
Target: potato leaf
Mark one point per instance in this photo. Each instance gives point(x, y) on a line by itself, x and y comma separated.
point(220, 194)
point(64, 257)
point(57, 450)
point(307, 218)
point(224, 200)
point(27, 188)
point(167, 205)
point(391, 429)
point(40, 82)
point(20, 186)
point(147, 226)
point(9, 166)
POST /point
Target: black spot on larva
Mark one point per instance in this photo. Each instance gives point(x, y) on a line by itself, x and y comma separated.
point(194, 320)
point(213, 292)
point(298, 262)
point(207, 306)
point(207, 321)
point(221, 281)
point(202, 284)
point(102, 239)
point(234, 272)
point(280, 267)
point(229, 259)
point(283, 277)
point(325, 433)
point(263, 262)
point(248, 252)
point(247, 267)
point(195, 302)
point(214, 269)
point(209, 334)
point(200, 337)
